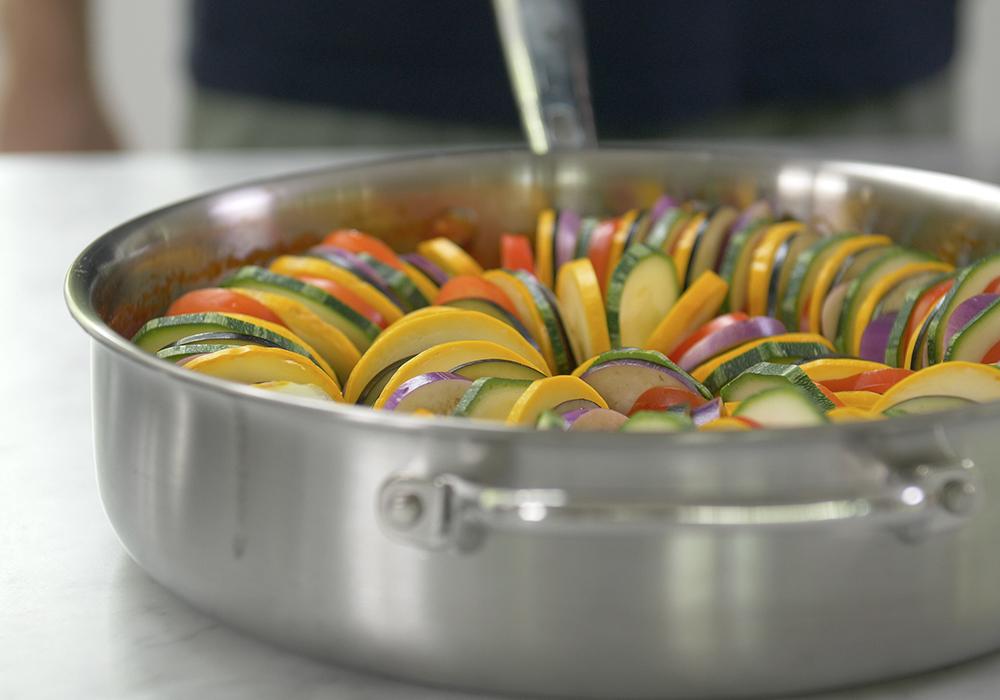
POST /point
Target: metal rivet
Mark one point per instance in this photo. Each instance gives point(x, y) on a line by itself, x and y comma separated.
point(405, 510)
point(958, 496)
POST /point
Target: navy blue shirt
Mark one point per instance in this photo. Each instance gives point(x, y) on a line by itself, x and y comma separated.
point(653, 63)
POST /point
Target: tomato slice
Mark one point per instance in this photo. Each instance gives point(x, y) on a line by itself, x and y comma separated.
point(923, 307)
point(993, 287)
point(516, 253)
point(600, 248)
point(992, 355)
point(716, 324)
point(222, 300)
point(660, 398)
point(346, 296)
point(470, 287)
point(876, 380)
point(355, 241)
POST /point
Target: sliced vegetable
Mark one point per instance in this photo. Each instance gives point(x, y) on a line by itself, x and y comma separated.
point(662, 398)
point(579, 295)
point(451, 356)
point(643, 288)
point(802, 278)
point(468, 287)
point(829, 369)
point(912, 309)
point(437, 392)
point(356, 327)
point(969, 282)
point(547, 393)
point(858, 399)
point(781, 407)
point(619, 240)
point(706, 253)
point(694, 307)
point(221, 300)
point(306, 391)
point(728, 424)
point(490, 398)
point(875, 339)
point(769, 254)
point(791, 346)
point(716, 324)
point(419, 332)
point(594, 420)
point(927, 404)
point(729, 337)
point(301, 266)
point(965, 380)
point(251, 364)
point(976, 337)
point(551, 315)
point(657, 422)
point(329, 341)
point(567, 229)
point(874, 380)
point(621, 382)
point(832, 272)
point(449, 256)
point(431, 271)
point(768, 375)
point(545, 239)
point(512, 369)
point(515, 253)
point(851, 414)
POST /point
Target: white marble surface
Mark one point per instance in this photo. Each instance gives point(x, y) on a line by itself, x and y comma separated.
point(77, 618)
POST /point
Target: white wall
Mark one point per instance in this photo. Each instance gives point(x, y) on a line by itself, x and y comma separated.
point(139, 48)
point(140, 56)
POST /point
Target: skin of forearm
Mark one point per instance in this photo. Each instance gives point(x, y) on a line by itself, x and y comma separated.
point(45, 41)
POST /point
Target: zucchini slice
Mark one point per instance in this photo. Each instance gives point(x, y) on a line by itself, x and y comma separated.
point(643, 288)
point(974, 340)
point(781, 407)
point(971, 281)
point(490, 398)
point(768, 375)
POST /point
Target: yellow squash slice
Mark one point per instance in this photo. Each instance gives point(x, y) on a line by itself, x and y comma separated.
point(618, 240)
point(449, 256)
point(445, 358)
point(695, 307)
point(825, 368)
point(851, 414)
point(418, 332)
point(329, 341)
point(859, 399)
point(526, 308)
point(579, 295)
point(831, 266)
point(725, 424)
point(545, 235)
point(290, 335)
point(252, 364)
point(762, 264)
point(966, 380)
point(549, 393)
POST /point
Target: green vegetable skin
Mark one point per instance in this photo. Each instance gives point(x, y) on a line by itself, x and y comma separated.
point(653, 357)
point(765, 352)
point(490, 398)
point(805, 270)
point(970, 281)
point(894, 349)
point(551, 320)
point(401, 285)
point(161, 332)
point(358, 329)
point(862, 285)
point(769, 375)
point(979, 335)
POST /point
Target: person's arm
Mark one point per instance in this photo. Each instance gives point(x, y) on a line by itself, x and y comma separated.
point(48, 101)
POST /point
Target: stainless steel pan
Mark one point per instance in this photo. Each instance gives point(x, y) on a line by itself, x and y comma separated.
point(692, 565)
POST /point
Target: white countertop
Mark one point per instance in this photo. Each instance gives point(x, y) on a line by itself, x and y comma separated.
point(78, 619)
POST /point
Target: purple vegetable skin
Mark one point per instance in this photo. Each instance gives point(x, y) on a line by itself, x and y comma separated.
point(728, 338)
point(875, 339)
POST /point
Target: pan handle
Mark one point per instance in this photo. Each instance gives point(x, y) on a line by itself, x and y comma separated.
point(546, 59)
point(447, 511)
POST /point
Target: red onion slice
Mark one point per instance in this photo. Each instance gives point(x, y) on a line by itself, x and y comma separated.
point(875, 339)
point(965, 312)
point(418, 261)
point(567, 229)
point(728, 338)
point(437, 392)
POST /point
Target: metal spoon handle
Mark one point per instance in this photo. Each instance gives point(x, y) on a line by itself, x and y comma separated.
point(547, 61)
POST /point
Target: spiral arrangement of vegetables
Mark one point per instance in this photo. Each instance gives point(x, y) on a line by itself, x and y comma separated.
point(677, 317)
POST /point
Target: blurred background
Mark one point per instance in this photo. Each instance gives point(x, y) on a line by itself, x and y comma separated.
point(169, 74)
